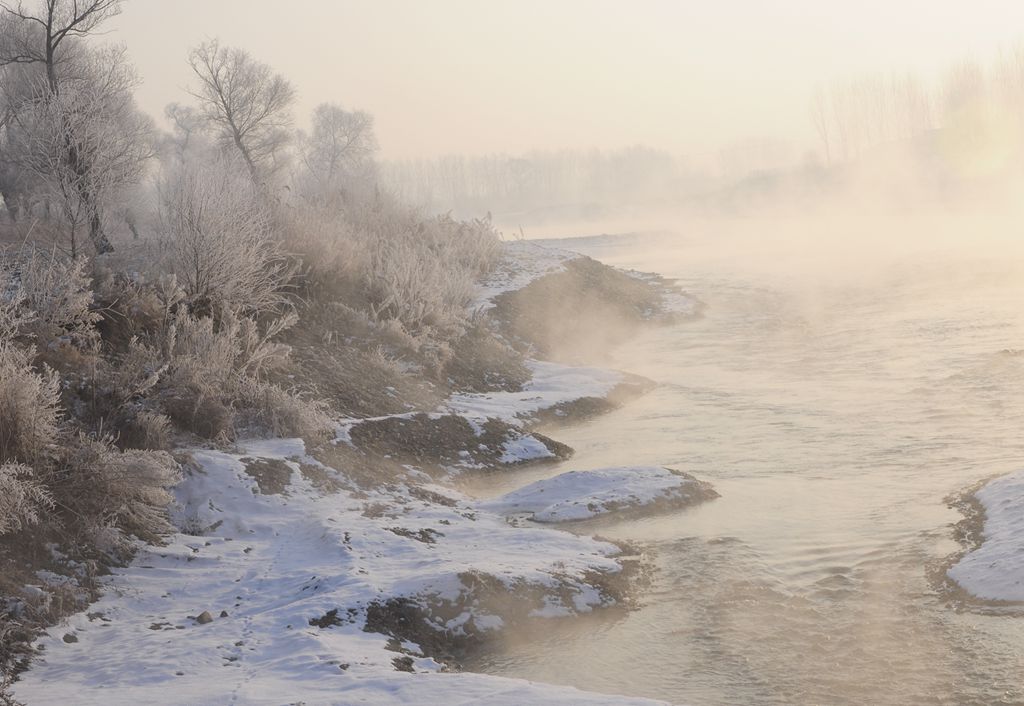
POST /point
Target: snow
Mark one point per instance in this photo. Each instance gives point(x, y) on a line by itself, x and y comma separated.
point(552, 384)
point(581, 495)
point(273, 562)
point(523, 262)
point(524, 449)
point(995, 570)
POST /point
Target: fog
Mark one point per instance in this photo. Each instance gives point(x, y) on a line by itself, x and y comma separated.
point(462, 77)
point(350, 241)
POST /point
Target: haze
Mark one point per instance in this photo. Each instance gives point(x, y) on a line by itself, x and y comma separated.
point(457, 76)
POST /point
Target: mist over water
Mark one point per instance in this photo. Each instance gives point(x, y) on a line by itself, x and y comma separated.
point(849, 375)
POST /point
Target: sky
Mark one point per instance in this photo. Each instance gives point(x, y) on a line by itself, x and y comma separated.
point(484, 76)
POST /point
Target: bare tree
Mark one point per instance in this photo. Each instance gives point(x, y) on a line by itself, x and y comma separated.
point(187, 125)
point(822, 123)
point(246, 102)
point(339, 150)
point(40, 35)
point(95, 116)
point(35, 35)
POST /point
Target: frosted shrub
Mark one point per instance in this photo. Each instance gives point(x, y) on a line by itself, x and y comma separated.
point(21, 498)
point(28, 407)
point(216, 238)
point(117, 493)
point(59, 293)
point(424, 273)
point(216, 367)
point(282, 412)
point(419, 272)
point(148, 430)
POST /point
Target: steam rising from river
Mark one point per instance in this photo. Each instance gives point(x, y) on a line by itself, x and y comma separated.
point(857, 366)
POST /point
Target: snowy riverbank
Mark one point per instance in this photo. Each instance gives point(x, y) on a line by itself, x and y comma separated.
point(292, 581)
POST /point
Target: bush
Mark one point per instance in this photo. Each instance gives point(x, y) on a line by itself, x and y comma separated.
point(281, 412)
point(216, 238)
point(215, 367)
point(383, 256)
point(147, 430)
point(21, 498)
point(114, 493)
point(59, 293)
point(424, 272)
point(28, 407)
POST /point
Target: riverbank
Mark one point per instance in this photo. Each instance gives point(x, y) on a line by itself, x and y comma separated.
point(354, 570)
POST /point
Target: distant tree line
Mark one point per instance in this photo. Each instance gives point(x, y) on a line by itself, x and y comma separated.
point(970, 102)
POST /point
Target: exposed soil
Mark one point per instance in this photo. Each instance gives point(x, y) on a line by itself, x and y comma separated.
point(580, 314)
point(422, 620)
point(272, 475)
point(437, 442)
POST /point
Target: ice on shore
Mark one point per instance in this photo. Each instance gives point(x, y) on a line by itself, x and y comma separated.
point(551, 384)
point(995, 570)
point(581, 495)
point(273, 563)
point(523, 262)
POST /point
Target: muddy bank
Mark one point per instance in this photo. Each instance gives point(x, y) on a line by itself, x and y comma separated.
point(579, 314)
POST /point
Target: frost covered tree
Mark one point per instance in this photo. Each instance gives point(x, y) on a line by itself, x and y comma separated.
point(246, 103)
point(186, 131)
point(339, 150)
point(78, 127)
point(36, 34)
point(87, 142)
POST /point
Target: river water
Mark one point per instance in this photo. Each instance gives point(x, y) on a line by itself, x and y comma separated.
point(835, 394)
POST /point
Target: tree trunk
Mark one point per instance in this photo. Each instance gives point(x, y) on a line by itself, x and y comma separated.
point(97, 236)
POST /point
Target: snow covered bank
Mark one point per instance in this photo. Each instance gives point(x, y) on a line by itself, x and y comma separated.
point(552, 385)
point(349, 578)
point(581, 495)
point(523, 262)
point(995, 570)
point(266, 598)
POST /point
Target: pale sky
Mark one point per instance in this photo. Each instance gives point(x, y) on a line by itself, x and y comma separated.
point(481, 76)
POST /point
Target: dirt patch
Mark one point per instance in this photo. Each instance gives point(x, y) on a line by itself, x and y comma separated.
point(425, 620)
point(482, 362)
point(272, 475)
point(361, 469)
point(360, 368)
point(324, 479)
point(581, 313)
point(436, 443)
point(331, 618)
point(583, 408)
point(425, 535)
point(429, 496)
point(403, 664)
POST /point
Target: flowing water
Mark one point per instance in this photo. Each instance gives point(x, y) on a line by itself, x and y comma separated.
point(836, 400)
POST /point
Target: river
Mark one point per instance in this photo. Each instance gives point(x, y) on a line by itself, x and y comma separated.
point(835, 393)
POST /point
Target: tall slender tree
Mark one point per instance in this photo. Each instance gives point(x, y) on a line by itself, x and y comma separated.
point(247, 104)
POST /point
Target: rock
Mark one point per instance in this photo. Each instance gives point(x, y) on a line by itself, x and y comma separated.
point(204, 618)
point(70, 638)
point(403, 664)
point(223, 614)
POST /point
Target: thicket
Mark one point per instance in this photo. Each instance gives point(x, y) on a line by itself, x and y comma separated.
point(154, 285)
